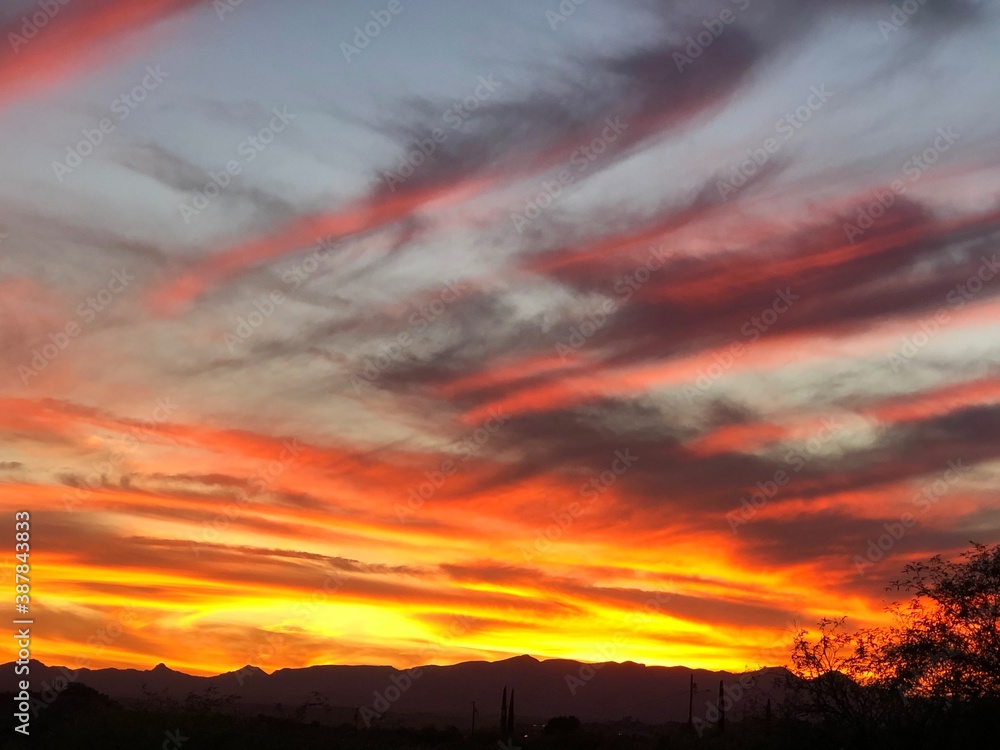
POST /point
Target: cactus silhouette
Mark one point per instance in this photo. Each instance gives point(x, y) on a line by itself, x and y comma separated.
point(503, 712)
point(722, 708)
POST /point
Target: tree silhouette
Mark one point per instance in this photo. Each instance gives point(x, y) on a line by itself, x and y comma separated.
point(948, 644)
point(940, 659)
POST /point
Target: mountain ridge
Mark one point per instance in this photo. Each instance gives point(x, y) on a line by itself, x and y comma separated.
point(604, 691)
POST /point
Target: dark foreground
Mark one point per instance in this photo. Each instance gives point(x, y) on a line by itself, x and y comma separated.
point(82, 719)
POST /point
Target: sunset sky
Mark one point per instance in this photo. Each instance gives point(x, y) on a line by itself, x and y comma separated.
point(475, 336)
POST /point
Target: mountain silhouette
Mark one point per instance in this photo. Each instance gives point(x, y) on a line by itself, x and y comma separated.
point(553, 687)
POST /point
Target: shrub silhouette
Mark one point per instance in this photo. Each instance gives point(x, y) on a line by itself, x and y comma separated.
point(562, 725)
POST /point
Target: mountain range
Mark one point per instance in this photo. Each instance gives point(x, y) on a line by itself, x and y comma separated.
point(608, 691)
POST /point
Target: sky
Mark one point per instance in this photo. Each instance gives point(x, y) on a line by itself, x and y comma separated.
point(404, 333)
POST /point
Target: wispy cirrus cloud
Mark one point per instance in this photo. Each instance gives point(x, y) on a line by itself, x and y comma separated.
point(785, 384)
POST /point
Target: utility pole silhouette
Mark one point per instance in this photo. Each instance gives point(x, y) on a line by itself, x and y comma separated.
point(473, 720)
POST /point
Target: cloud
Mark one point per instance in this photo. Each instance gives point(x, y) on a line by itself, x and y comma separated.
point(72, 40)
